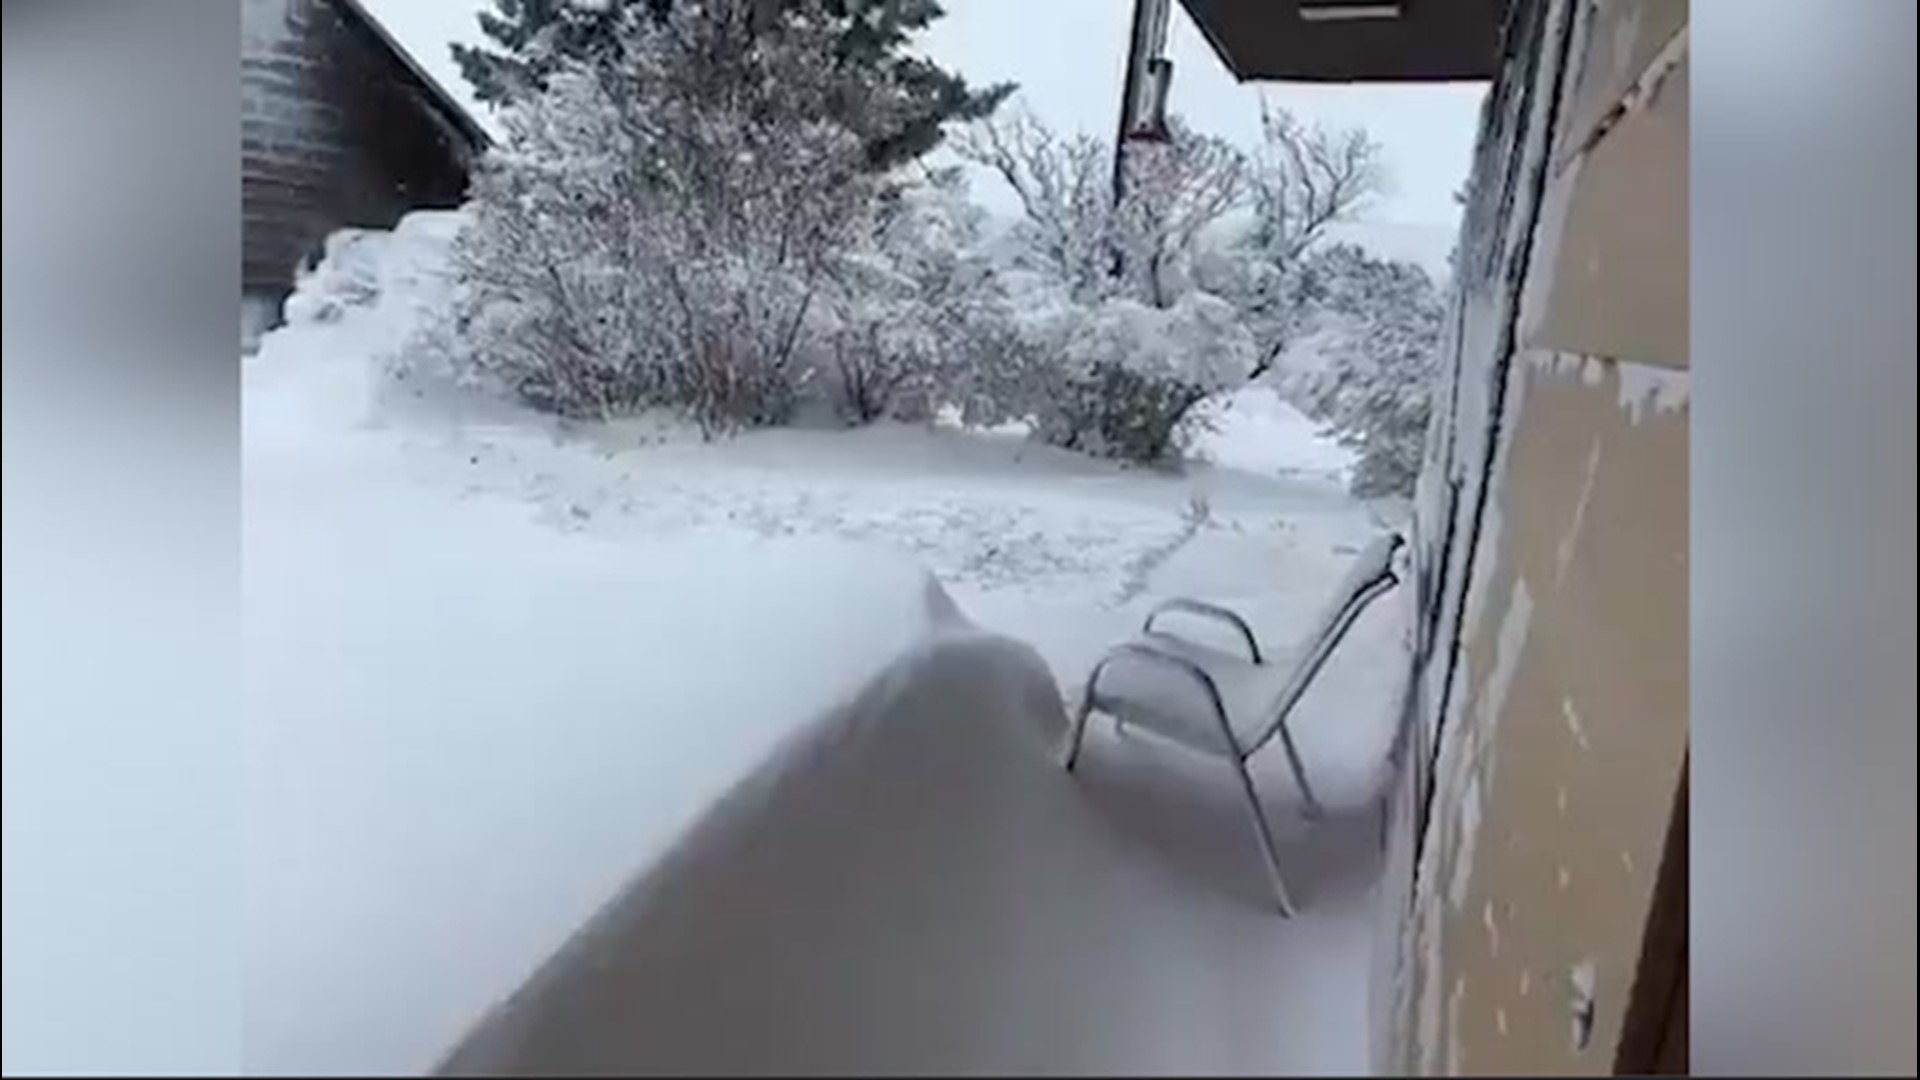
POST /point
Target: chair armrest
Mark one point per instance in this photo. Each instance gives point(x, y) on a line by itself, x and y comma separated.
point(1209, 611)
point(1170, 662)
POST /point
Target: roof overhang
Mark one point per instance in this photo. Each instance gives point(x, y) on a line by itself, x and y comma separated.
point(438, 98)
point(1353, 41)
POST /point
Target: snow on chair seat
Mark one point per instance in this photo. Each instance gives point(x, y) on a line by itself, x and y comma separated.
point(1223, 703)
point(1143, 690)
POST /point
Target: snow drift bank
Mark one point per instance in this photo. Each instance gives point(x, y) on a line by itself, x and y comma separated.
point(466, 729)
point(914, 887)
point(371, 295)
point(494, 673)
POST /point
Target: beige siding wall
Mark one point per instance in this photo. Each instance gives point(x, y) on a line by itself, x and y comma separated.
point(1561, 722)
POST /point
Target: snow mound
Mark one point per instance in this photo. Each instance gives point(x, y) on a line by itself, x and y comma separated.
point(367, 300)
point(913, 887)
point(398, 271)
point(1254, 429)
point(497, 666)
point(467, 728)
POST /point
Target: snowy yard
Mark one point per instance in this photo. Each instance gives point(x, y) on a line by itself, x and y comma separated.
point(496, 665)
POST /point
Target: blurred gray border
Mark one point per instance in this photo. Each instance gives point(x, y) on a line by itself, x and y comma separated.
point(1803, 536)
point(123, 888)
point(121, 533)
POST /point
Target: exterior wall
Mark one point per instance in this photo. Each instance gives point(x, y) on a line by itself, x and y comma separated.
point(335, 131)
point(1496, 232)
point(1553, 518)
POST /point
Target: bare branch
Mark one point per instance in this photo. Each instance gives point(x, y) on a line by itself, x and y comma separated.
point(1061, 185)
point(1306, 179)
point(1174, 191)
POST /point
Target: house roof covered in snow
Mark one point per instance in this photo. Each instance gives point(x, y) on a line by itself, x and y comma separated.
point(437, 95)
point(1352, 40)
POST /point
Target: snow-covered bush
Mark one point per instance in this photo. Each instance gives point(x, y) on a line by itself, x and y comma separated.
point(1175, 190)
point(550, 292)
point(1072, 229)
point(1063, 184)
point(1134, 372)
point(1301, 181)
point(660, 227)
point(1117, 378)
point(1377, 327)
point(1105, 343)
point(905, 308)
point(1004, 365)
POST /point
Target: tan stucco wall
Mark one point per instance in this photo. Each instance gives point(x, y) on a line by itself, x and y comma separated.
point(1565, 711)
point(1553, 790)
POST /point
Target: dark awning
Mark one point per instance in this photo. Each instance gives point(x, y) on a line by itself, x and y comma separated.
point(1353, 40)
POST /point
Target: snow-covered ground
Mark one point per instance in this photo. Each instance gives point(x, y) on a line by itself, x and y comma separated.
point(497, 665)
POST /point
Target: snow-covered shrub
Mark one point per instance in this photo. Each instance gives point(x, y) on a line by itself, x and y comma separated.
point(1175, 190)
point(660, 227)
point(1377, 329)
point(1105, 344)
point(1302, 181)
point(1004, 367)
point(877, 353)
point(1071, 227)
point(1118, 378)
point(903, 309)
point(1134, 372)
point(548, 303)
point(1063, 184)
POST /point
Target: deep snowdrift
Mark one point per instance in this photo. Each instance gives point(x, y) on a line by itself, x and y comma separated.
point(465, 728)
point(914, 887)
point(465, 731)
point(497, 666)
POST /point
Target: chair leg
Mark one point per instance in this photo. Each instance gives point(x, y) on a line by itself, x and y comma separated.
point(1077, 730)
point(1264, 833)
point(1310, 803)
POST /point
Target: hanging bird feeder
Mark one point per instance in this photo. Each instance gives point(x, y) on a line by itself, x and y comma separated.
point(1143, 95)
point(1150, 114)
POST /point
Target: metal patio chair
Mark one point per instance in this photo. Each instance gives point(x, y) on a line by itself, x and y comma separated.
point(1223, 704)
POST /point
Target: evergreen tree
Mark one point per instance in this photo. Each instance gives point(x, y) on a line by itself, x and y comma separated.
point(535, 38)
point(664, 230)
point(896, 102)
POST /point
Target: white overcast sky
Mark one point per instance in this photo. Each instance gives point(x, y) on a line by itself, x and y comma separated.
point(1067, 57)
